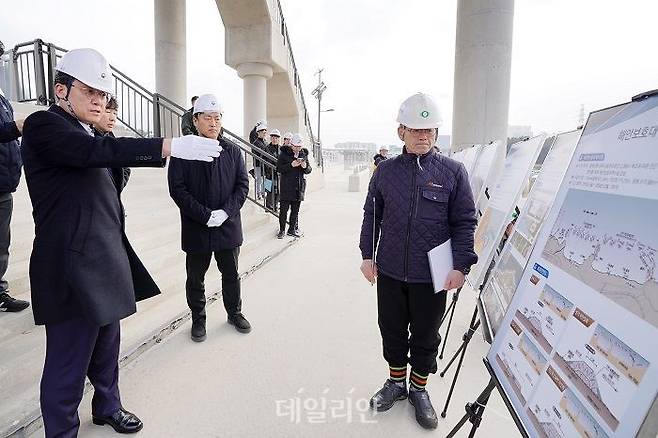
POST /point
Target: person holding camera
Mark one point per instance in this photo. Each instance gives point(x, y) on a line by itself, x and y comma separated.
point(292, 165)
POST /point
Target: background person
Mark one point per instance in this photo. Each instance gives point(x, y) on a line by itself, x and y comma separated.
point(292, 165)
point(10, 175)
point(186, 125)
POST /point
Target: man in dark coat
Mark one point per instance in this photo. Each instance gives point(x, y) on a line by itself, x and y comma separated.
point(210, 196)
point(257, 139)
point(292, 165)
point(10, 175)
point(415, 202)
point(271, 174)
point(186, 125)
point(381, 156)
point(84, 275)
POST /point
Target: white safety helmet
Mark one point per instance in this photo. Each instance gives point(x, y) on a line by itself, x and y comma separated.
point(287, 135)
point(207, 103)
point(420, 111)
point(383, 148)
point(261, 125)
point(89, 67)
point(297, 140)
point(275, 132)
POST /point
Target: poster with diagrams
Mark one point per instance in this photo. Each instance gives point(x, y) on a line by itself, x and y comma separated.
point(587, 301)
point(507, 273)
point(504, 195)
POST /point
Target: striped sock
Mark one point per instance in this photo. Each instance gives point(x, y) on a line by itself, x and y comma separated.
point(417, 381)
point(398, 374)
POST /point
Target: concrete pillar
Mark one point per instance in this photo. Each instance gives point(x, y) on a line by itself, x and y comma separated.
point(254, 76)
point(170, 50)
point(483, 59)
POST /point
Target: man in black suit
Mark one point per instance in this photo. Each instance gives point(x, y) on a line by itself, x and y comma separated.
point(210, 196)
point(84, 275)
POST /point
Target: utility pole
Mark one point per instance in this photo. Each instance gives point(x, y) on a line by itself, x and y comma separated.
point(318, 95)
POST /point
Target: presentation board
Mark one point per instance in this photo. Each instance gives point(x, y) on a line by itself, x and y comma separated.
point(481, 176)
point(576, 352)
point(504, 194)
point(497, 292)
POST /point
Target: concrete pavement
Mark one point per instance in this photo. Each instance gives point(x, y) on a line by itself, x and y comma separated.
point(312, 361)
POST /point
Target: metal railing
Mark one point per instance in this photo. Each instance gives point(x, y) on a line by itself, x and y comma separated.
point(145, 113)
point(279, 19)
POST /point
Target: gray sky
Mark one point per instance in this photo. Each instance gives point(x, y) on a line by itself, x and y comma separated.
point(377, 52)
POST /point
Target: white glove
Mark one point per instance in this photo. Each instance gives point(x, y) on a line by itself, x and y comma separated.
point(217, 218)
point(193, 147)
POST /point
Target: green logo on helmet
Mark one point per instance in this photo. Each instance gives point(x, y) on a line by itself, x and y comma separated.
point(425, 114)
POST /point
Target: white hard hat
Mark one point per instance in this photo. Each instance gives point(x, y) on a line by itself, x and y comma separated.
point(261, 125)
point(287, 135)
point(275, 132)
point(297, 140)
point(420, 112)
point(207, 103)
point(89, 67)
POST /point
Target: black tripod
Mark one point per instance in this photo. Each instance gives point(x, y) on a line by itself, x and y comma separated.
point(451, 310)
point(474, 411)
point(461, 352)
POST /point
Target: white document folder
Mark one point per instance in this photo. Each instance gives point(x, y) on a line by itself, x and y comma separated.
point(440, 259)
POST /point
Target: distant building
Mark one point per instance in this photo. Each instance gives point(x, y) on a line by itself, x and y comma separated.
point(356, 145)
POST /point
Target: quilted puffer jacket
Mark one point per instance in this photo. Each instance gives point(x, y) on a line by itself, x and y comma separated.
point(416, 203)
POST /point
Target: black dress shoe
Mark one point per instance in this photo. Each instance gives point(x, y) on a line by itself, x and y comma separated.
point(198, 332)
point(239, 322)
point(385, 398)
point(425, 414)
point(10, 304)
point(294, 233)
point(121, 421)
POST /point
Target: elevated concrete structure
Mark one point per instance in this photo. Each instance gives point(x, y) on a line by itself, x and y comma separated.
point(258, 47)
point(483, 62)
point(170, 50)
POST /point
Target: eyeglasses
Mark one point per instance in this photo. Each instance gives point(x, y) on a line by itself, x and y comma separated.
point(91, 93)
point(427, 131)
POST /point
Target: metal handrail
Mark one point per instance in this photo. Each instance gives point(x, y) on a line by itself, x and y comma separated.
point(145, 113)
point(317, 148)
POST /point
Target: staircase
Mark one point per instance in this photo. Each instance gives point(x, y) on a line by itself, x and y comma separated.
point(28, 75)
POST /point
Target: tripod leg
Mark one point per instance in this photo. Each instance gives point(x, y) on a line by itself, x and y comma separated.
point(452, 359)
point(453, 304)
point(474, 411)
point(481, 404)
point(454, 382)
point(450, 307)
point(467, 338)
point(464, 341)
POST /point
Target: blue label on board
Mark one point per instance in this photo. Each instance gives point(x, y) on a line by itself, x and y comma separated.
point(542, 271)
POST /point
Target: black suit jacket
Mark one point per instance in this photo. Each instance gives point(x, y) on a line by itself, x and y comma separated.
point(81, 262)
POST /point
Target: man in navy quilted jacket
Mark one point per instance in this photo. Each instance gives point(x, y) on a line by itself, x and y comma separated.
point(415, 202)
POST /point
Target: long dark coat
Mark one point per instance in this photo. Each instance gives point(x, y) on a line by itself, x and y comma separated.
point(199, 187)
point(82, 263)
point(293, 181)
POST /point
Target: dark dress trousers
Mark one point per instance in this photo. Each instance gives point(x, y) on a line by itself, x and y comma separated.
point(84, 274)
